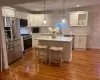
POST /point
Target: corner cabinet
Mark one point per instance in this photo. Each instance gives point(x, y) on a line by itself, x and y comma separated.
point(78, 18)
point(80, 42)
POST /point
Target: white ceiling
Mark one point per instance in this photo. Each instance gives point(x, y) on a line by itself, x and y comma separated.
point(58, 4)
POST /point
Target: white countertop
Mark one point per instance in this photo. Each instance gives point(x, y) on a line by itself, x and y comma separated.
point(60, 34)
point(49, 38)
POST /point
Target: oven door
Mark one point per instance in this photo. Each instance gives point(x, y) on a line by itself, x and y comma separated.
point(27, 43)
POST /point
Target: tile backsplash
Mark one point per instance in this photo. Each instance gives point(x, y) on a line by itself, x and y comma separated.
point(25, 30)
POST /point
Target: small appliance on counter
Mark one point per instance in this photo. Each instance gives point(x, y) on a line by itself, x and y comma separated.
point(35, 30)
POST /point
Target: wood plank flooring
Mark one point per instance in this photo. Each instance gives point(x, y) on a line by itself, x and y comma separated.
point(85, 65)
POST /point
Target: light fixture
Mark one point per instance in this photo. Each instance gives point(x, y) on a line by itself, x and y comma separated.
point(63, 19)
point(78, 6)
point(44, 21)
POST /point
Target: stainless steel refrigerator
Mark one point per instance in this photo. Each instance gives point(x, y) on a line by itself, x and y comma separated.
point(13, 39)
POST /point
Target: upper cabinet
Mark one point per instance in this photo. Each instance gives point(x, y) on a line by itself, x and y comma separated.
point(8, 13)
point(21, 15)
point(30, 19)
point(37, 20)
point(78, 18)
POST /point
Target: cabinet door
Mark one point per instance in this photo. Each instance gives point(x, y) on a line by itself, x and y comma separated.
point(30, 20)
point(37, 20)
point(82, 18)
point(83, 42)
point(76, 41)
point(73, 18)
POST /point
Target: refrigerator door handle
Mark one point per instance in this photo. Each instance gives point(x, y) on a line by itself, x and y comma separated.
point(13, 31)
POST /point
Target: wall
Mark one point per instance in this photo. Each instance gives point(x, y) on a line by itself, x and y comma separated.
point(25, 30)
point(93, 28)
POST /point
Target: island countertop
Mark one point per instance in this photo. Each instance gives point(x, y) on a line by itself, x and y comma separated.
point(49, 38)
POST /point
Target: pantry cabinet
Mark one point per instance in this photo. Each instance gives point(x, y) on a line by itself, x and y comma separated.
point(78, 18)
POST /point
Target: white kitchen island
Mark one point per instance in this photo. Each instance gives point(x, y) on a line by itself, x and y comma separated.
point(65, 42)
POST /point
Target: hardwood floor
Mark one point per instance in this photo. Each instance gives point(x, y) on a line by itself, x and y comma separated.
point(84, 66)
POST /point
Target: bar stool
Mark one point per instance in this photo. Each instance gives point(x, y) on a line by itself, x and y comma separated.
point(39, 48)
point(56, 50)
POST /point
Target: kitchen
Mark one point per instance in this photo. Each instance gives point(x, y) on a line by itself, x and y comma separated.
point(78, 29)
point(31, 27)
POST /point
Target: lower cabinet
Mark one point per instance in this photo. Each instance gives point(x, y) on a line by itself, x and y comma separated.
point(80, 42)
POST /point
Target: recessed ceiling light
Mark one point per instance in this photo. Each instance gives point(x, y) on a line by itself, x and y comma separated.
point(78, 6)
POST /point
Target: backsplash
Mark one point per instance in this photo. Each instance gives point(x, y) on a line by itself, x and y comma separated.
point(25, 30)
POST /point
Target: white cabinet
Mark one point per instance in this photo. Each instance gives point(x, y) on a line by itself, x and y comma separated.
point(37, 20)
point(21, 15)
point(78, 18)
point(80, 41)
point(30, 19)
point(8, 13)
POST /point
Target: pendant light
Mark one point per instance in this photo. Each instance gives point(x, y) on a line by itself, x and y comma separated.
point(63, 17)
point(45, 21)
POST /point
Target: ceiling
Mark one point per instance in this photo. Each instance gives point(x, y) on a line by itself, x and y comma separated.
point(57, 4)
point(14, 2)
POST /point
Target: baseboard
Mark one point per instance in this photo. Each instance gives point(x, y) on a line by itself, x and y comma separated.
point(93, 49)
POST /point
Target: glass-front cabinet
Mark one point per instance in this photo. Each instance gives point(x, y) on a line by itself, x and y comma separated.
point(78, 18)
